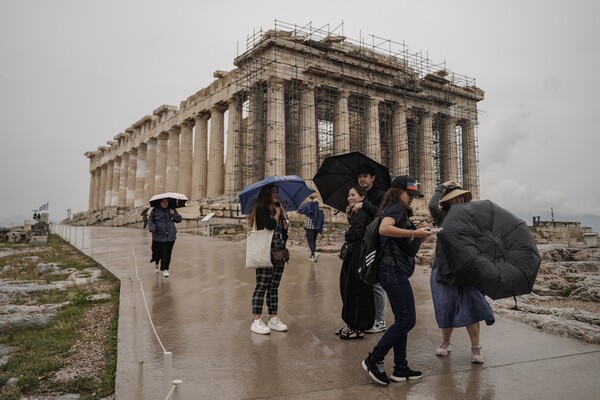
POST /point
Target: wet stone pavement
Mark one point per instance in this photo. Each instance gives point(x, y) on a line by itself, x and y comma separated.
point(202, 315)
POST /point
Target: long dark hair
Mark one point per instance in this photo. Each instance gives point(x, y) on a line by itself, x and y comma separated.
point(264, 200)
point(392, 196)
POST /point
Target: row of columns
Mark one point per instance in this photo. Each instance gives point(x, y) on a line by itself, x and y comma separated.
point(181, 159)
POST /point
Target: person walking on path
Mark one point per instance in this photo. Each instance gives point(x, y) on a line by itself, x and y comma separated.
point(455, 306)
point(268, 213)
point(313, 224)
point(399, 242)
point(358, 306)
point(366, 180)
point(161, 223)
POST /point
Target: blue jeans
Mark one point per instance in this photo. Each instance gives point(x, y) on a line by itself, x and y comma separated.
point(400, 293)
point(379, 302)
point(311, 237)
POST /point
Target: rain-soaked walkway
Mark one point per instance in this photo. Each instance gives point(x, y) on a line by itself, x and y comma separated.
point(202, 315)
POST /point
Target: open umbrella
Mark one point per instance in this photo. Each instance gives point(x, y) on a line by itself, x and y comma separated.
point(338, 174)
point(486, 246)
point(176, 200)
point(292, 192)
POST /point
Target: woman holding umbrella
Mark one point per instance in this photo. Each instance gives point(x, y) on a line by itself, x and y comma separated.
point(161, 223)
point(455, 306)
point(268, 213)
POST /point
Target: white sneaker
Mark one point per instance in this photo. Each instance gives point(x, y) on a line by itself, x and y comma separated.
point(477, 355)
point(311, 258)
point(165, 273)
point(258, 326)
point(276, 324)
point(378, 326)
point(315, 256)
point(443, 349)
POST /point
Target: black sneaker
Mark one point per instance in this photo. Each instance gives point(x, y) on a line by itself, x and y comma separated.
point(376, 370)
point(402, 374)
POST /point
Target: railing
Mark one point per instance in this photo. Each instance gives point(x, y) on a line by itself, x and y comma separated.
point(140, 303)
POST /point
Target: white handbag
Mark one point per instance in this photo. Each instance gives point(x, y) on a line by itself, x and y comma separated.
point(258, 248)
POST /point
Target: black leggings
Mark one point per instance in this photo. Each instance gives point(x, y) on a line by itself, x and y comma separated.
point(161, 251)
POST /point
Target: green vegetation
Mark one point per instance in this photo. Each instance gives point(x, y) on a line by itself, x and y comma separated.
point(38, 352)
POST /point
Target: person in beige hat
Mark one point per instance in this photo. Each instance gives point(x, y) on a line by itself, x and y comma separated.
point(455, 306)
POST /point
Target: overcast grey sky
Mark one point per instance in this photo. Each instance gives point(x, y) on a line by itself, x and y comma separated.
point(74, 73)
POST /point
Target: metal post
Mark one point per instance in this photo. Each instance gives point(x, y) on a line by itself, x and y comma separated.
point(168, 377)
point(106, 250)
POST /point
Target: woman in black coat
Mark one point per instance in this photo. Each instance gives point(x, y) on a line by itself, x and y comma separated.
point(164, 233)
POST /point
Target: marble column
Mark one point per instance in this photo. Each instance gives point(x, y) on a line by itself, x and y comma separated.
point(173, 159)
point(373, 149)
point(91, 190)
point(110, 166)
point(448, 149)
point(275, 135)
point(200, 156)
point(102, 191)
point(308, 133)
point(96, 198)
point(427, 170)
point(140, 176)
point(400, 157)
point(150, 168)
point(469, 158)
point(341, 124)
point(252, 171)
point(233, 181)
point(114, 200)
point(215, 167)
point(160, 181)
point(185, 159)
point(130, 199)
point(123, 179)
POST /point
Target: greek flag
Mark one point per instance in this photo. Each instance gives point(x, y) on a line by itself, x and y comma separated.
point(43, 207)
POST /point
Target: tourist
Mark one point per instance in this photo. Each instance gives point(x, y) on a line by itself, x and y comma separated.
point(313, 224)
point(164, 233)
point(400, 240)
point(455, 306)
point(267, 213)
point(366, 179)
point(358, 307)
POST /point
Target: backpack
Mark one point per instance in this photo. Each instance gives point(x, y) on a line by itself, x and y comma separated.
point(370, 253)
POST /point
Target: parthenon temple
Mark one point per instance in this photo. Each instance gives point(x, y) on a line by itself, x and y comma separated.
point(296, 96)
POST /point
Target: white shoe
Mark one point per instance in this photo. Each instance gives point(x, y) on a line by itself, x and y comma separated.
point(276, 324)
point(315, 256)
point(443, 349)
point(311, 258)
point(477, 355)
point(165, 273)
point(378, 326)
point(258, 326)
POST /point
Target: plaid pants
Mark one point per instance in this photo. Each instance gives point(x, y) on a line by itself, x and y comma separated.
point(267, 282)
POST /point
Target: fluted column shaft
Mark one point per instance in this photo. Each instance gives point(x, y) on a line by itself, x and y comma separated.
point(448, 149)
point(160, 182)
point(373, 134)
point(400, 157)
point(110, 166)
point(427, 170)
point(469, 156)
point(114, 200)
point(130, 199)
point(252, 171)
point(341, 124)
point(308, 133)
point(186, 139)
point(275, 149)
point(173, 160)
point(216, 168)
point(123, 179)
point(233, 180)
point(140, 176)
point(97, 178)
point(91, 190)
point(200, 156)
point(150, 178)
point(102, 191)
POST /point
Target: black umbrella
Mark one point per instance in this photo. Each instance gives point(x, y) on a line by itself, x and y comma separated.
point(176, 200)
point(486, 246)
point(338, 174)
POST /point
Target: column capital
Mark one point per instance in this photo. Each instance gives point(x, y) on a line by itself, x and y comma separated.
point(201, 116)
point(218, 108)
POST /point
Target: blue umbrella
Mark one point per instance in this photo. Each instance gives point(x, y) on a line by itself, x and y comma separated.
point(292, 192)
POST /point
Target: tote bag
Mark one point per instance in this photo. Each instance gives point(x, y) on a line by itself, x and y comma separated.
point(258, 248)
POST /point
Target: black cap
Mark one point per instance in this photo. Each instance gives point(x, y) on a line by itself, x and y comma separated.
point(407, 183)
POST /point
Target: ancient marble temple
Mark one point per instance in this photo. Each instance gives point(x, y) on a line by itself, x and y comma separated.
point(294, 98)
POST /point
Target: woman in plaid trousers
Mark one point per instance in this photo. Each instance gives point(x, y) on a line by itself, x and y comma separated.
point(268, 214)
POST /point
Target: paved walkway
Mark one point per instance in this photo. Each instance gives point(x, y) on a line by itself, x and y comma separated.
point(202, 315)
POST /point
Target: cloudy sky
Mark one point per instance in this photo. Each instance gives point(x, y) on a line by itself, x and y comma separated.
point(74, 73)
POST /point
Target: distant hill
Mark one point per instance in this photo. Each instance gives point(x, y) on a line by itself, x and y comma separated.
point(16, 220)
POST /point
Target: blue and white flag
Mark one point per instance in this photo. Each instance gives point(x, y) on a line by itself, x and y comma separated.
point(43, 207)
